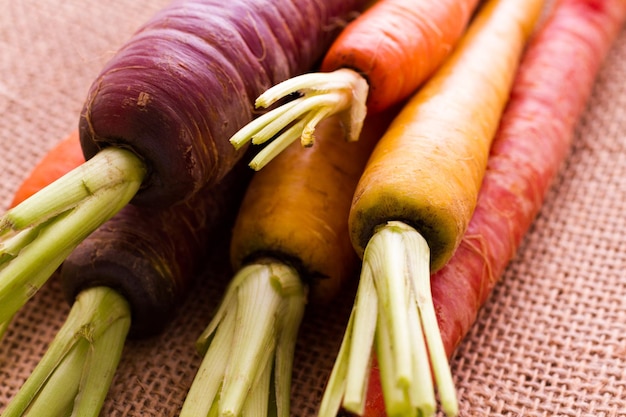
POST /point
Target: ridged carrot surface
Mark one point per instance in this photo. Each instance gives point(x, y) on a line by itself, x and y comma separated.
point(397, 44)
point(377, 61)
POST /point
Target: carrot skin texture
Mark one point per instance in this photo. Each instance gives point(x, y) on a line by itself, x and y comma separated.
point(376, 44)
point(150, 256)
point(186, 81)
point(534, 139)
point(306, 225)
point(560, 65)
point(62, 158)
point(453, 117)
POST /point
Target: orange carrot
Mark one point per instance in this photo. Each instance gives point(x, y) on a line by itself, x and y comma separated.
point(290, 245)
point(533, 140)
point(61, 159)
point(411, 208)
point(377, 61)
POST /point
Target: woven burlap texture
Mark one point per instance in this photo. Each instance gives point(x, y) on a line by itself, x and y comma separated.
point(551, 341)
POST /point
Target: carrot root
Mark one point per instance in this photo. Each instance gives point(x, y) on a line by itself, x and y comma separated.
point(39, 233)
point(341, 92)
point(79, 359)
point(254, 332)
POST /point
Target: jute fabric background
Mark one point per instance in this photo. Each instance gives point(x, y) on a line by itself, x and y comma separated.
point(551, 341)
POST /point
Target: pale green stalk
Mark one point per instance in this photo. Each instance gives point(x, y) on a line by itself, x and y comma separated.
point(74, 374)
point(394, 295)
point(366, 304)
point(37, 235)
point(249, 346)
point(342, 92)
point(3, 327)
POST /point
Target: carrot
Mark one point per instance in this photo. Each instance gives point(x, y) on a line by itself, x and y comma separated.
point(533, 141)
point(410, 209)
point(377, 61)
point(290, 245)
point(124, 280)
point(155, 121)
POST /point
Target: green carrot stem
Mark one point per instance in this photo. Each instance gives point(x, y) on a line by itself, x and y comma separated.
point(3, 327)
point(279, 144)
point(78, 367)
point(342, 92)
point(248, 346)
point(203, 395)
point(38, 234)
point(336, 385)
point(394, 295)
point(365, 311)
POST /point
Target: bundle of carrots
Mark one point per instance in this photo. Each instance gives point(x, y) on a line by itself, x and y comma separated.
point(153, 123)
point(450, 168)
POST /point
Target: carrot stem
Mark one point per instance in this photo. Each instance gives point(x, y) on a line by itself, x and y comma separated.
point(278, 145)
point(250, 340)
point(366, 304)
point(394, 287)
point(39, 233)
point(3, 327)
point(80, 360)
point(341, 92)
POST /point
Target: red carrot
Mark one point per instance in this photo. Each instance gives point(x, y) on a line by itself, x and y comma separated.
point(377, 61)
point(126, 278)
point(533, 140)
point(155, 121)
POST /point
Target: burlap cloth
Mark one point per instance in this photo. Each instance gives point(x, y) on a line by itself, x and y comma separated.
point(551, 341)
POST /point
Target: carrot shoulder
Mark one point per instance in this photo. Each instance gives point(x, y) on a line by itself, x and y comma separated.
point(397, 44)
point(411, 207)
point(533, 140)
point(377, 61)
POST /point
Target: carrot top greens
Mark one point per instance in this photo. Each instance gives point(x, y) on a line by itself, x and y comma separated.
point(394, 283)
point(342, 92)
point(69, 377)
point(248, 346)
point(39, 233)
